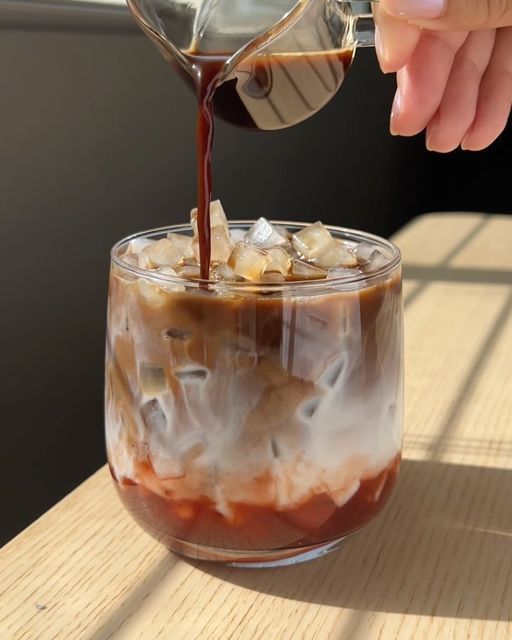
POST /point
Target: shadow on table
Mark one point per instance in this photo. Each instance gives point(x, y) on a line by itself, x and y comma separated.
point(112, 624)
point(443, 548)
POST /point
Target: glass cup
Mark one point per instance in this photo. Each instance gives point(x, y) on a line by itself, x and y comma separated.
point(283, 60)
point(254, 424)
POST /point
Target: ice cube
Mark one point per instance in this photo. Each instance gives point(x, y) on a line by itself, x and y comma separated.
point(150, 293)
point(221, 241)
point(183, 244)
point(238, 351)
point(144, 260)
point(221, 245)
point(154, 294)
point(137, 245)
point(249, 262)
point(366, 252)
point(377, 261)
point(312, 241)
point(152, 379)
point(307, 409)
point(335, 372)
point(189, 271)
point(264, 235)
point(244, 360)
point(131, 259)
point(273, 276)
point(305, 271)
point(191, 374)
point(277, 404)
point(343, 495)
point(167, 467)
point(281, 261)
point(318, 323)
point(283, 231)
point(167, 271)
point(217, 215)
point(342, 273)
point(163, 254)
point(290, 250)
point(337, 255)
point(174, 333)
point(169, 286)
point(370, 258)
point(224, 273)
point(273, 372)
point(237, 235)
point(154, 416)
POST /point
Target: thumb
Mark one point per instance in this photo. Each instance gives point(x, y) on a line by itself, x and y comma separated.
point(453, 15)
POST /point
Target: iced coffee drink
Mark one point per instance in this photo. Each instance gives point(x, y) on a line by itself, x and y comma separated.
point(254, 417)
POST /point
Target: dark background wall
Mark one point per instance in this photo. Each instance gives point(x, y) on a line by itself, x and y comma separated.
point(96, 142)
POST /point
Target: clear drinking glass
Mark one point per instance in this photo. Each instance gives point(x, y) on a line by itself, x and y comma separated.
point(254, 424)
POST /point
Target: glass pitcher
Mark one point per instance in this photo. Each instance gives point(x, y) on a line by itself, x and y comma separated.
point(283, 60)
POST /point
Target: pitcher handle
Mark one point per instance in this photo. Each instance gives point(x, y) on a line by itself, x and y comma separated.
point(363, 25)
point(364, 30)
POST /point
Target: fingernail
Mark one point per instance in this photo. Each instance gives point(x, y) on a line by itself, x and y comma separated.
point(395, 111)
point(379, 48)
point(431, 131)
point(463, 144)
point(416, 9)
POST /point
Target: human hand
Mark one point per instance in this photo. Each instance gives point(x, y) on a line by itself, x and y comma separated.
point(453, 60)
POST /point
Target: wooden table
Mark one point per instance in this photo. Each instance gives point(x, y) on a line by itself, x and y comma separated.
point(436, 564)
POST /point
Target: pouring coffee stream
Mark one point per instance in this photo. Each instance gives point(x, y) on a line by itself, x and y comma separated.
point(259, 65)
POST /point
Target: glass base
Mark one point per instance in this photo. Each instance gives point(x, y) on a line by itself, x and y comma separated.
point(255, 559)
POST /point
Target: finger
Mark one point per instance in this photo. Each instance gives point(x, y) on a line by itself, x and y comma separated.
point(458, 106)
point(421, 83)
point(449, 15)
point(495, 96)
point(395, 40)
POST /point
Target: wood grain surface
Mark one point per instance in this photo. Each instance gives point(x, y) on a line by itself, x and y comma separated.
point(436, 564)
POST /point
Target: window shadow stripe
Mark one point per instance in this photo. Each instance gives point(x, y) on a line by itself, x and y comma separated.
point(457, 274)
point(445, 262)
point(468, 384)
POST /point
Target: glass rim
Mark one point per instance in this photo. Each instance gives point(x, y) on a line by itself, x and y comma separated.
point(350, 234)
